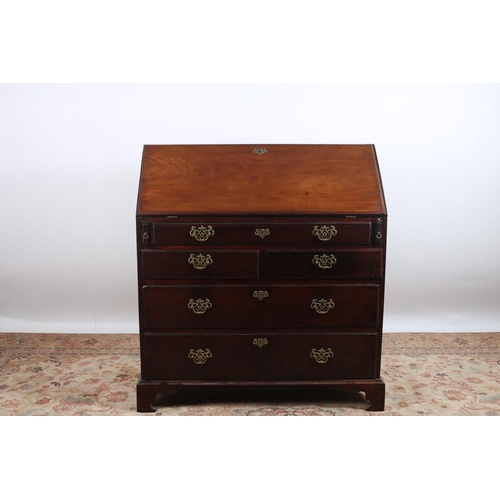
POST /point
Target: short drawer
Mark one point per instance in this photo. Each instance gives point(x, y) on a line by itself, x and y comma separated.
point(260, 356)
point(321, 264)
point(262, 233)
point(261, 306)
point(200, 264)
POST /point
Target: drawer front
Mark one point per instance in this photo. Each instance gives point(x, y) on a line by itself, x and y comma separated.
point(262, 233)
point(200, 264)
point(260, 356)
point(261, 306)
point(321, 264)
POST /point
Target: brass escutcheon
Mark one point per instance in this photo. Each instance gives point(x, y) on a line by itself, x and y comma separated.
point(260, 342)
point(260, 151)
point(200, 261)
point(201, 233)
point(322, 306)
point(262, 233)
point(260, 294)
point(321, 355)
point(324, 233)
point(199, 306)
point(199, 356)
point(324, 261)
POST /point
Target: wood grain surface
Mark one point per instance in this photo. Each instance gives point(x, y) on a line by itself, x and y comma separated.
point(233, 179)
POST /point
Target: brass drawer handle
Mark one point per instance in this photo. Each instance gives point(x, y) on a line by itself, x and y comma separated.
point(199, 356)
point(260, 294)
point(262, 233)
point(260, 342)
point(324, 261)
point(324, 233)
point(199, 306)
point(200, 261)
point(322, 306)
point(321, 355)
point(201, 233)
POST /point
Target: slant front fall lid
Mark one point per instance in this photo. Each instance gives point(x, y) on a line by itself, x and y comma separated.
point(260, 179)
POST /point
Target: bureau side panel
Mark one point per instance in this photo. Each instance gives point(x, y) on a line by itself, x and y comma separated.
point(142, 225)
point(383, 244)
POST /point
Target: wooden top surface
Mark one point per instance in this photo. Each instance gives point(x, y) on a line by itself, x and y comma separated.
point(287, 179)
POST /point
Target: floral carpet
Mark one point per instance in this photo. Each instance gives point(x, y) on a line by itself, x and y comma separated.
point(76, 374)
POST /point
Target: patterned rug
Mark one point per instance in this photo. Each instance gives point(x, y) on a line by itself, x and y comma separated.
point(425, 374)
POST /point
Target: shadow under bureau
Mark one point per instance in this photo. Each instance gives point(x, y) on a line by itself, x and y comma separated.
point(260, 266)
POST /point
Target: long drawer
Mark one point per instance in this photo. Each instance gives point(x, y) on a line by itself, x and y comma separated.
point(262, 233)
point(261, 306)
point(260, 356)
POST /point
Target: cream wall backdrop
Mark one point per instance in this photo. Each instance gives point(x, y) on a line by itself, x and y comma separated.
point(69, 169)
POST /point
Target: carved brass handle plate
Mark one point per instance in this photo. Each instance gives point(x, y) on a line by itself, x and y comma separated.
point(201, 233)
point(260, 342)
point(199, 306)
point(260, 151)
point(322, 306)
point(324, 261)
point(262, 233)
point(321, 355)
point(199, 356)
point(200, 261)
point(324, 233)
point(260, 294)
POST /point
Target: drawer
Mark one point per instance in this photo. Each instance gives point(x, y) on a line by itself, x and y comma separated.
point(200, 264)
point(262, 233)
point(261, 306)
point(261, 356)
point(321, 264)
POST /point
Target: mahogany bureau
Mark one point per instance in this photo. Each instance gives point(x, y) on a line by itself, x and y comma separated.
point(260, 266)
